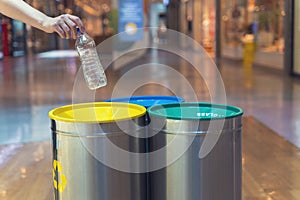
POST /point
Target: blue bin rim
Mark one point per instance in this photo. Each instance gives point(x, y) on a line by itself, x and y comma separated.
point(147, 101)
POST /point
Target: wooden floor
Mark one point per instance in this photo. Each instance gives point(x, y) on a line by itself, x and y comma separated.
point(271, 167)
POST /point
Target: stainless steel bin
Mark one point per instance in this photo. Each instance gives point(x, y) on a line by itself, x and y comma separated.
point(148, 101)
point(179, 131)
point(82, 135)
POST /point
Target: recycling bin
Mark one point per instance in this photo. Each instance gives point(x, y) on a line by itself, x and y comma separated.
point(89, 141)
point(195, 152)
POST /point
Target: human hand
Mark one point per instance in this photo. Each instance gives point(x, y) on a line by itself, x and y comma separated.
point(65, 25)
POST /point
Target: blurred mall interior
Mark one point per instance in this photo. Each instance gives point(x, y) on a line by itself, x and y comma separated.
point(217, 25)
point(38, 72)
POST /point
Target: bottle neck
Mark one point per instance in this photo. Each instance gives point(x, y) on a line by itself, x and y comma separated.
point(79, 33)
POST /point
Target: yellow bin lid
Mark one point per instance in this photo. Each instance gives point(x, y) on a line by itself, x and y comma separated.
point(98, 112)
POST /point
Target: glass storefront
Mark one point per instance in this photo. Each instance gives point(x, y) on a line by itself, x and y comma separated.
point(195, 18)
point(208, 25)
point(263, 19)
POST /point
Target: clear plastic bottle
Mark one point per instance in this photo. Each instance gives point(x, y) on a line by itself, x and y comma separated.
point(92, 68)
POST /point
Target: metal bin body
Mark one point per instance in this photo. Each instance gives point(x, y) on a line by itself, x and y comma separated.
point(179, 130)
point(79, 133)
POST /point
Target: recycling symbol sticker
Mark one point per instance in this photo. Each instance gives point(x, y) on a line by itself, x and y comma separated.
point(59, 179)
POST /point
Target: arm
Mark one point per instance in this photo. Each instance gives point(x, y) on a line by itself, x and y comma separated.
point(65, 25)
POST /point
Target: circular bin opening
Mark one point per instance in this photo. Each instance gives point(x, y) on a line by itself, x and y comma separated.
point(195, 111)
point(99, 112)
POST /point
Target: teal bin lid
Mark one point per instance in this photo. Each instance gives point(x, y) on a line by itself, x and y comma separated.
point(195, 111)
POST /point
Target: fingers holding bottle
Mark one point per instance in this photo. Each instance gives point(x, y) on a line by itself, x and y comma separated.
point(66, 26)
